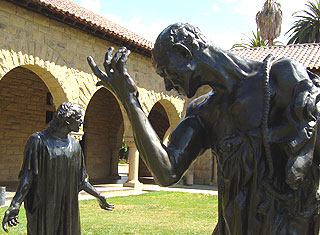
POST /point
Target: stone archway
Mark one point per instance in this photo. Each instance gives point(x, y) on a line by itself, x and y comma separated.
point(26, 106)
point(160, 122)
point(103, 128)
point(40, 59)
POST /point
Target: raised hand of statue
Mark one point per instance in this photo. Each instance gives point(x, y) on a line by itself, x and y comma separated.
point(115, 77)
point(10, 217)
point(104, 204)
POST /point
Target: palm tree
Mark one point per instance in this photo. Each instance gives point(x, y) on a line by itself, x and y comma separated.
point(307, 26)
point(255, 41)
point(269, 20)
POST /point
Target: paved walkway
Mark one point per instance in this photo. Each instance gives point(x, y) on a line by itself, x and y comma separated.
point(114, 190)
point(117, 188)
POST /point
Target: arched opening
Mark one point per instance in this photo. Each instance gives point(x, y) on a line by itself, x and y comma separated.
point(26, 106)
point(103, 128)
point(160, 122)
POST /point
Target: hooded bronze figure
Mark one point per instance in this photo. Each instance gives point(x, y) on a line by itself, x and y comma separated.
point(260, 120)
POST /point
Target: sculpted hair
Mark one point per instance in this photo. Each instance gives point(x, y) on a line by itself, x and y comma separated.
point(183, 33)
point(66, 110)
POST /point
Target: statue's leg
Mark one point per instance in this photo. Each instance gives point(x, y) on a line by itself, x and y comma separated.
point(316, 220)
point(216, 230)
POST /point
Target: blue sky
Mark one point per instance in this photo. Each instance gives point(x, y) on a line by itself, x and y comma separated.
point(224, 22)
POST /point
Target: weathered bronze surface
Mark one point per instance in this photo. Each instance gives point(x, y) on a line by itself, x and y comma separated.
point(52, 175)
point(260, 120)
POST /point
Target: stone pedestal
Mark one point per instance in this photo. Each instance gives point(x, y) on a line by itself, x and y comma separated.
point(133, 180)
point(188, 178)
point(2, 196)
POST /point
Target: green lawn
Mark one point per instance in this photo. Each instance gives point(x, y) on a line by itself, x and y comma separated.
point(149, 213)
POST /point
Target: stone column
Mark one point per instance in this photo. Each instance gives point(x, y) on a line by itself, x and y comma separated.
point(133, 180)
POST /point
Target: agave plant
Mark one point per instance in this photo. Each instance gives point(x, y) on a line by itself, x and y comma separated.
point(306, 29)
point(269, 20)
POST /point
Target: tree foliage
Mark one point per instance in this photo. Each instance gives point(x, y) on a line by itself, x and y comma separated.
point(269, 20)
point(306, 27)
point(255, 41)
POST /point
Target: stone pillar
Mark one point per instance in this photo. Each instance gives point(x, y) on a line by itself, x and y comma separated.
point(133, 180)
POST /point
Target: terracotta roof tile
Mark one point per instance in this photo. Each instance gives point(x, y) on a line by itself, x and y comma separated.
point(308, 53)
point(78, 12)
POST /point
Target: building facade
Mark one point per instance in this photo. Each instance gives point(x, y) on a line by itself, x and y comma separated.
point(43, 49)
point(43, 63)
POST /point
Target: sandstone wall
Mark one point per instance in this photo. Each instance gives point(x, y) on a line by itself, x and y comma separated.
point(55, 54)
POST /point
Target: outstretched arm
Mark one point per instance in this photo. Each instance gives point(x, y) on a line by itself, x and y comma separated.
point(11, 214)
point(167, 164)
point(86, 186)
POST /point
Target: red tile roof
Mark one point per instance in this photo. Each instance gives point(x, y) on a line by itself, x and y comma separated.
point(308, 53)
point(72, 13)
point(78, 16)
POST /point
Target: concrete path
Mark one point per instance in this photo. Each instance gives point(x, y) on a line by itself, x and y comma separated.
point(117, 189)
point(114, 190)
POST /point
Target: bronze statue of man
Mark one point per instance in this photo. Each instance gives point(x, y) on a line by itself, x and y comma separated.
point(52, 175)
point(260, 120)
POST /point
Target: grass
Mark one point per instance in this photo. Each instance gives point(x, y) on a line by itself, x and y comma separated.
point(155, 213)
point(123, 161)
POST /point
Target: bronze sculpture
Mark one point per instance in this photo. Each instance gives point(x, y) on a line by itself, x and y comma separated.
point(52, 175)
point(260, 119)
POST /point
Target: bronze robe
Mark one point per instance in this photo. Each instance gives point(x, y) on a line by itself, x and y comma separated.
point(58, 172)
point(249, 202)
